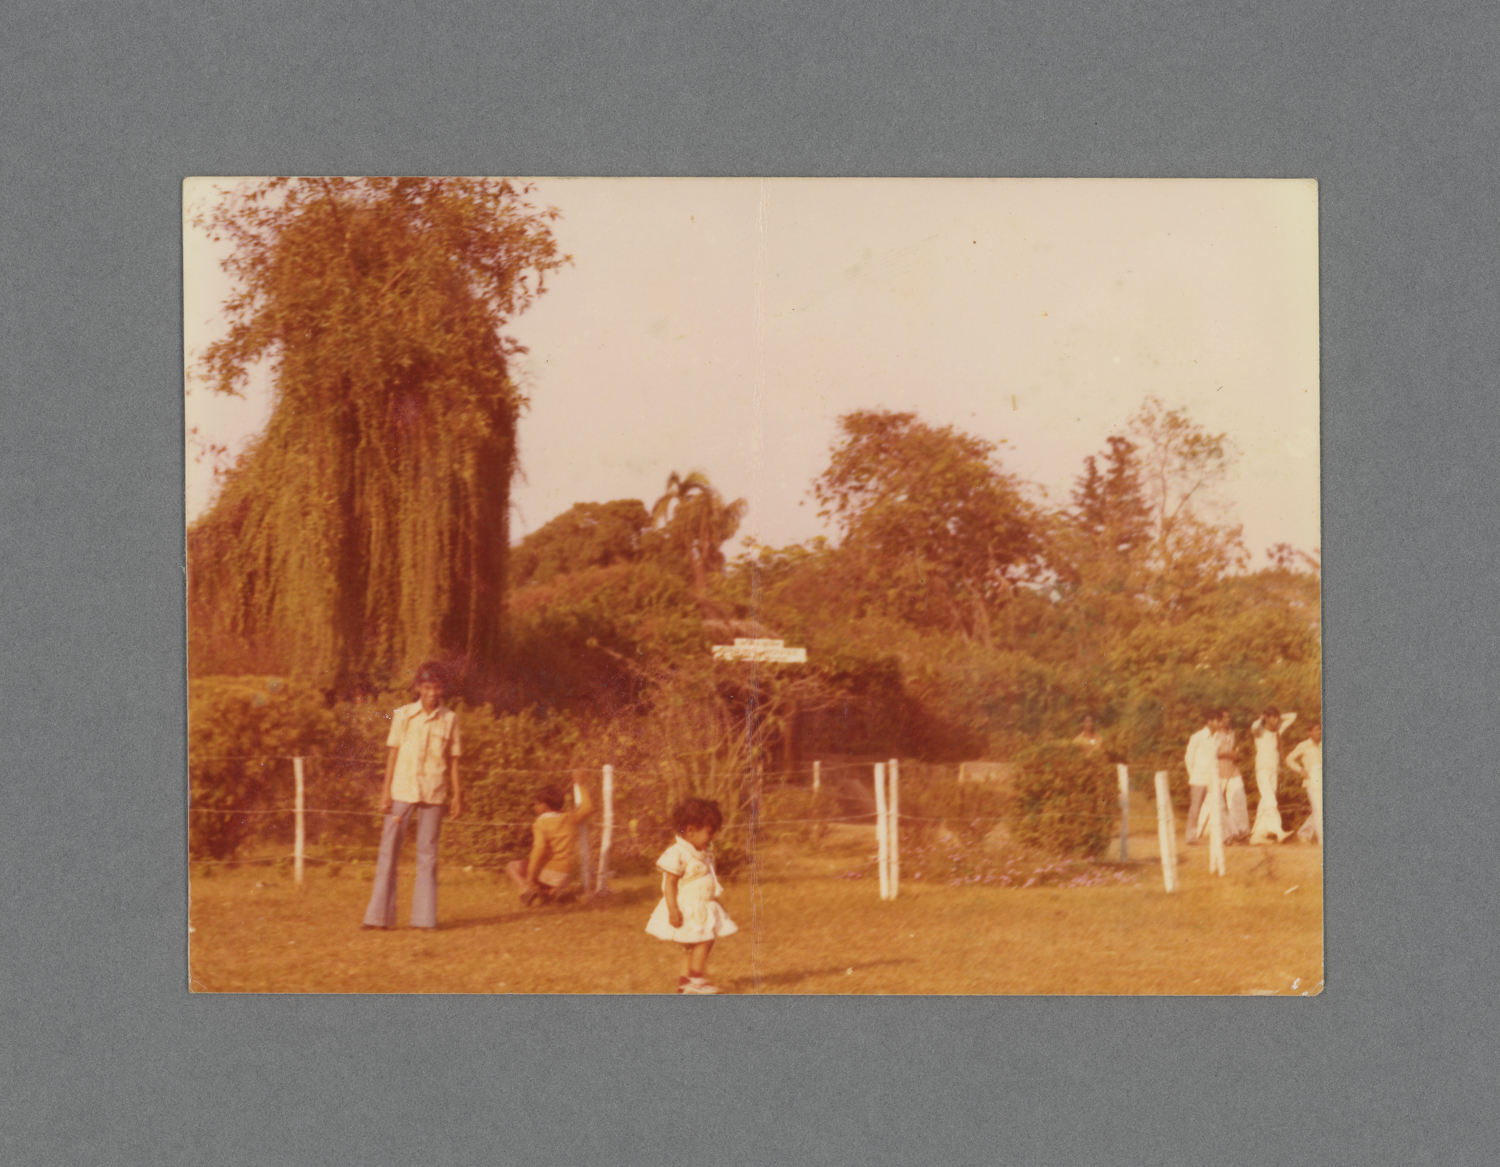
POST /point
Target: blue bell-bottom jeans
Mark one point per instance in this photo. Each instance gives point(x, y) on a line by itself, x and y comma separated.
point(382, 910)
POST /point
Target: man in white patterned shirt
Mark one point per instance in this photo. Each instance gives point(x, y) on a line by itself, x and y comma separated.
point(421, 781)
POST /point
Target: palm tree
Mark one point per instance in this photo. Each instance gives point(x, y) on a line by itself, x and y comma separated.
point(697, 521)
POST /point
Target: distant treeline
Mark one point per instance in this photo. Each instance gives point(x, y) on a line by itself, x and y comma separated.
point(955, 616)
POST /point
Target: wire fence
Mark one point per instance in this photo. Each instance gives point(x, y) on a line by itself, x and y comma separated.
point(954, 823)
point(849, 818)
point(927, 811)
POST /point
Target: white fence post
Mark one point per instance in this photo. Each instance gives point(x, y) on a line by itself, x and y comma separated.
point(893, 815)
point(1123, 772)
point(1166, 832)
point(607, 830)
point(299, 847)
point(817, 776)
point(585, 865)
point(1216, 826)
point(882, 837)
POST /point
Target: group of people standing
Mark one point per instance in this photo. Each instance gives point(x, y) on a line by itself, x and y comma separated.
point(1213, 773)
point(1213, 765)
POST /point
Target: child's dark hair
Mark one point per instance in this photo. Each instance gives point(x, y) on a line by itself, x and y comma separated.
point(696, 812)
point(550, 796)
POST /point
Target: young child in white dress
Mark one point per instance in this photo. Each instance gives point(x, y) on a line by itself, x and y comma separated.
point(689, 913)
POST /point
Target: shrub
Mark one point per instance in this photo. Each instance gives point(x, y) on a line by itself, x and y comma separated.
point(951, 829)
point(242, 731)
point(794, 813)
point(1066, 801)
point(505, 759)
point(931, 792)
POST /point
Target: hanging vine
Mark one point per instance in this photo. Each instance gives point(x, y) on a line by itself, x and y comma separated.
point(367, 527)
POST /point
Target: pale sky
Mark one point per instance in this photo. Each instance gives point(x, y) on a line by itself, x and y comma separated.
point(723, 325)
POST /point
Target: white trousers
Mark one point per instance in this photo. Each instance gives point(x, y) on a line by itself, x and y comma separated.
point(1267, 814)
point(1313, 827)
point(1198, 802)
point(1234, 808)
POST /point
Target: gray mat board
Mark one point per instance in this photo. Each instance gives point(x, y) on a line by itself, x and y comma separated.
point(106, 1059)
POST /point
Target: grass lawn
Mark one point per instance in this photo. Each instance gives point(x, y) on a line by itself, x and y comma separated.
point(806, 927)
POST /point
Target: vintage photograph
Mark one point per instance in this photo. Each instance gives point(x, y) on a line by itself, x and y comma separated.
point(755, 585)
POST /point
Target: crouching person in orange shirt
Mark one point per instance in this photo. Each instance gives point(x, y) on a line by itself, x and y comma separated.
point(554, 844)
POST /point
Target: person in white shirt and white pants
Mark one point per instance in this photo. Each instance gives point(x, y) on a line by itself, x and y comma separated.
point(1307, 760)
point(1202, 761)
point(1266, 733)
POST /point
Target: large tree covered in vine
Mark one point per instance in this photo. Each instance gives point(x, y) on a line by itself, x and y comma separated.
point(367, 526)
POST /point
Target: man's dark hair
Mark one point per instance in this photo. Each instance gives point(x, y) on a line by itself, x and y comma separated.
point(430, 671)
point(551, 797)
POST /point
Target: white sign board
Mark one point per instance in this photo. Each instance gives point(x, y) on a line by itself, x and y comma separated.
point(745, 648)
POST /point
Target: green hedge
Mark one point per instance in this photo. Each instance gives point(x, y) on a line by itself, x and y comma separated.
point(1066, 801)
point(242, 734)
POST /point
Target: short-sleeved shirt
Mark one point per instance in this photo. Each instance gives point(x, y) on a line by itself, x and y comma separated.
point(1307, 757)
point(425, 744)
point(556, 832)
